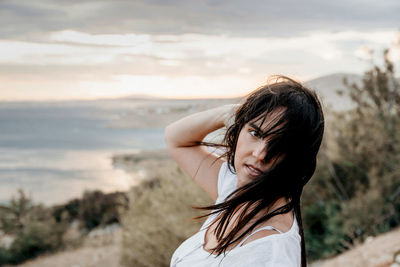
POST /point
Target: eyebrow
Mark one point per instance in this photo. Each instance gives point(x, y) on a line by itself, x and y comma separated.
point(258, 129)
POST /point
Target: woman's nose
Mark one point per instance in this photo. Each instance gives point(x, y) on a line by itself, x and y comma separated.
point(259, 151)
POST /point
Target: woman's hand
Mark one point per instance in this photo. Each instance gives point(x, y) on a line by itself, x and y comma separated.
point(229, 117)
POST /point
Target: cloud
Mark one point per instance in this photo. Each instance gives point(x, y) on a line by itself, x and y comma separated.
point(364, 52)
point(253, 18)
point(70, 45)
point(99, 39)
point(189, 64)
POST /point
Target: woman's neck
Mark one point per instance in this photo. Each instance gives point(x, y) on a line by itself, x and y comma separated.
point(276, 205)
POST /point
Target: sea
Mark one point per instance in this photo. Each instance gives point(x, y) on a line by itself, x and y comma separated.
point(54, 151)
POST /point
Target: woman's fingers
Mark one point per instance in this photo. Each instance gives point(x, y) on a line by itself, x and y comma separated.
point(230, 114)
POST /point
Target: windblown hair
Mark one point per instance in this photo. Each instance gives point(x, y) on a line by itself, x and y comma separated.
point(296, 134)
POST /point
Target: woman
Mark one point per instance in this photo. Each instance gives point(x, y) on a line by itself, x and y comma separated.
point(271, 150)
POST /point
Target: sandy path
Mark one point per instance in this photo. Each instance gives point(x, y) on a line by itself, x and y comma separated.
point(97, 251)
point(102, 256)
point(379, 252)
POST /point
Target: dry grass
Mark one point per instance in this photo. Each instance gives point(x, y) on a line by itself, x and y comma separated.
point(158, 219)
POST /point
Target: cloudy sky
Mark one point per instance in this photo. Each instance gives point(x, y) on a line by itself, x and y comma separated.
point(69, 49)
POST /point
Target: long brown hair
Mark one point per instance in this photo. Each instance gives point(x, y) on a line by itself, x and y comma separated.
point(297, 135)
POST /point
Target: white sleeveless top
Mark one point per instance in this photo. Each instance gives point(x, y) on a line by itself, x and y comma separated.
point(274, 250)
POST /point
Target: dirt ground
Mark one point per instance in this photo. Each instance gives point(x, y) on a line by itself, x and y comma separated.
point(377, 252)
point(96, 252)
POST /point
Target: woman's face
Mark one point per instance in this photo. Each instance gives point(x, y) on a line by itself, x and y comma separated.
point(251, 149)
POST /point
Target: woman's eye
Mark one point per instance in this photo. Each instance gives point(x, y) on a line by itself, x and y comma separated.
point(254, 133)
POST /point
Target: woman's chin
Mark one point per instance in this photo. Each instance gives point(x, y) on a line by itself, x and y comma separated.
point(243, 178)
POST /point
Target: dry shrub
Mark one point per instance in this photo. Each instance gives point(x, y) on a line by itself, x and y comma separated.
point(159, 216)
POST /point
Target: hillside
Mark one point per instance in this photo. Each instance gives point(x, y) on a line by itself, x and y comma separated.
point(327, 87)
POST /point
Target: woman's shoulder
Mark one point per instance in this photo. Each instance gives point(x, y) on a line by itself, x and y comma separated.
point(266, 252)
point(269, 246)
point(260, 234)
point(280, 228)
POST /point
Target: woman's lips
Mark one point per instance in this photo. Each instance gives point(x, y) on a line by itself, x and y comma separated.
point(253, 171)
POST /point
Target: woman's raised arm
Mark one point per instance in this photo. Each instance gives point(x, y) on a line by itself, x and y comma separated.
point(183, 135)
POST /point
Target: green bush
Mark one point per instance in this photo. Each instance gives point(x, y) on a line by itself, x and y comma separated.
point(94, 209)
point(97, 208)
point(36, 238)
point(14, 215)
point(38, 229)
point(33, 227)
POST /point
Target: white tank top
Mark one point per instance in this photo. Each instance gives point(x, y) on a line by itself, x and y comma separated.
point(274, 250)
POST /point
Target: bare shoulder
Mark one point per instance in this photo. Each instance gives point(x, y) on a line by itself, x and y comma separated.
point(260, 234)
point(281, 222)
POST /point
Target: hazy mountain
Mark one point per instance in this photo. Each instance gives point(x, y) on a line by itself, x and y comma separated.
point(327, 87)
